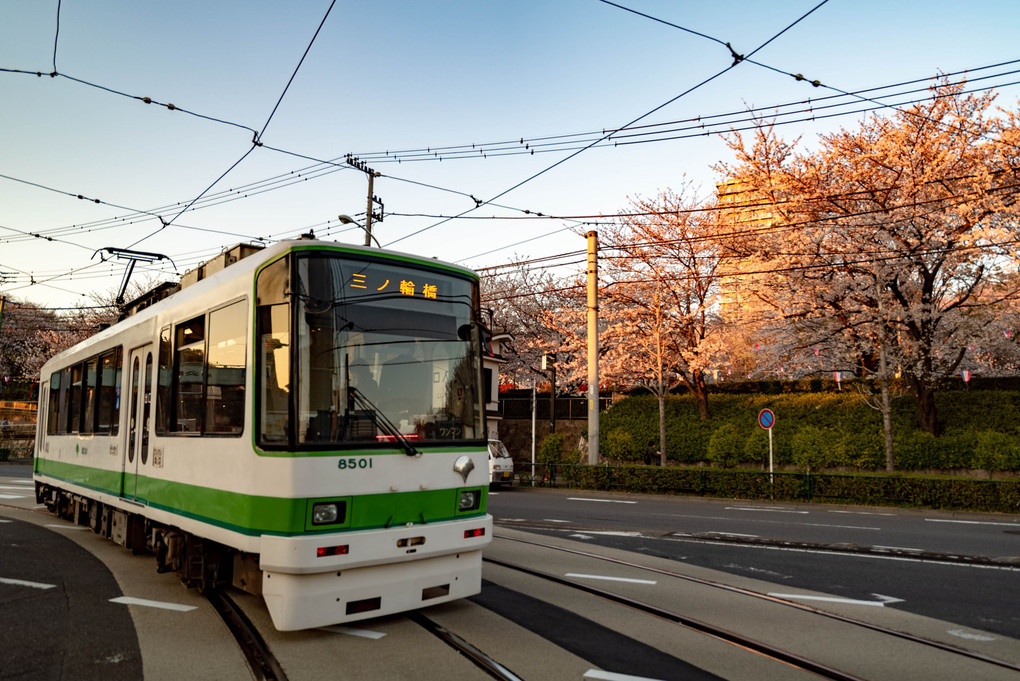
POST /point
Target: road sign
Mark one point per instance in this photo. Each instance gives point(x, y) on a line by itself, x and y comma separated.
point(766, 419)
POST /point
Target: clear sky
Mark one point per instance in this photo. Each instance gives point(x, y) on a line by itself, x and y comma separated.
point(389, 76)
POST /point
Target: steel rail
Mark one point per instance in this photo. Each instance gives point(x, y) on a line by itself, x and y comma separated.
point(476, 656)
point(945, 647)
point(263, 664)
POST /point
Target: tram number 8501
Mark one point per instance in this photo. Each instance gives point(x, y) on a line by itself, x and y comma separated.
point(354, 464)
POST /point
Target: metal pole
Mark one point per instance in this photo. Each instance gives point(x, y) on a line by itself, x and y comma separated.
point(534, 420)
point(368, 211)
point(772, 480)
point(593, 349)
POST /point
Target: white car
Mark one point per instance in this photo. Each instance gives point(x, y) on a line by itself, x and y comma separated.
point(501, 465)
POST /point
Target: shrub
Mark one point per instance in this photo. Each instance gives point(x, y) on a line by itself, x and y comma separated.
point(994, 451)
point(813, 448)
point(618, 445)
point(726, 446)
point(551, 449)
point(756, 447)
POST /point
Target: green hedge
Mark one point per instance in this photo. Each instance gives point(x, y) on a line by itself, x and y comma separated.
point(816, 431)
point(1002, 496)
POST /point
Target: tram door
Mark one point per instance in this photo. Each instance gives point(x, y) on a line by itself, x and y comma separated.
point(136, 453)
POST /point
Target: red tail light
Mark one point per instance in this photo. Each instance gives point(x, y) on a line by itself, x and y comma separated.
point(325, 551)
point(477, 532)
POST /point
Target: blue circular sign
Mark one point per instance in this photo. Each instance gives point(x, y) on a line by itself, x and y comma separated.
point(766, 419)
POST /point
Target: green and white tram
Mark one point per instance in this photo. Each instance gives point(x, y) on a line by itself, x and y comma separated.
point(306, 423)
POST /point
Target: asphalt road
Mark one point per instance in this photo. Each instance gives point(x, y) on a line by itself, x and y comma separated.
point(59, 618)
point(766, 541)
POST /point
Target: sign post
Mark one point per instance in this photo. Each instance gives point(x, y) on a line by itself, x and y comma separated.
point(766, 419)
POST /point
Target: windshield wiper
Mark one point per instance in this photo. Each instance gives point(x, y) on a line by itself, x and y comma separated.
point(384, 423)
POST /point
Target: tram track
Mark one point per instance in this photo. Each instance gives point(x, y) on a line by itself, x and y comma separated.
point(484, 662)
point(729, 636)
point(261, 661)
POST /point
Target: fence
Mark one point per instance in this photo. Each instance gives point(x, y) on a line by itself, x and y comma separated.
point(567, 408)
point(1002, 496)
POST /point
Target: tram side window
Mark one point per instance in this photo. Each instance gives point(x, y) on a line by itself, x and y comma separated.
point(165, 378)
point(90, 385)
point(189, 378)
point(54, 411)
point(208, 374)
point(108, 420)
point(75, 407)
point(85, 397)
point(224, 410)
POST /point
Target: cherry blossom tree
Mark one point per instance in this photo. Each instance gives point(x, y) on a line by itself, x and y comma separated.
point(659, 299)
point(898, 234)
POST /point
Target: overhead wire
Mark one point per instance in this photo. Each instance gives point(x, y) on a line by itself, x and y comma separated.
point(191, 204)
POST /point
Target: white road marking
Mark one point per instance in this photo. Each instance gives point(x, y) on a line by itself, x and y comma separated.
point(736, 534)
point(681, 537)
point(765, 510)
point(600, 675)
point(604, 501)
point(970, 636)
point(862, 513)
point(129, 600)
point(834, 599)
point(13, 496)
point(351, 631)
point(22, 582)
point(606, 578)
point(616, 533)
point(16, 488)
point(971, 522)
point(2, 520)
point(580, 536)
point(66, 527)
point(897, 548)
point(553, 520)
point(776, 522)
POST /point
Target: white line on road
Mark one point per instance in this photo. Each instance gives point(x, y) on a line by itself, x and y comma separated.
point(600, 675)
point(13, 496)
point(863, 513)
point(833, 599)
point(606, 578)
point(66, 527)
point(604, 501)
point(128, 600)
point(970, 636)
point(615, 533)
point(897, 548)
point(22, 582)
point(681, 537)
point(774, 522)
point(736, 534)
point(16, 488)
point(553, 520)
point(352, 631)
point(765, 510)
point(971, 522)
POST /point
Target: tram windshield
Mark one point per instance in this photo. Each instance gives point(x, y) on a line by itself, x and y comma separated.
point(355, 352)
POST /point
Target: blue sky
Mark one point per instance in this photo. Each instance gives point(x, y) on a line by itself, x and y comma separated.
point(396, 75)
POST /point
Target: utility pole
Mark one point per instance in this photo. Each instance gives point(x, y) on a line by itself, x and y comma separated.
point(593, 348)
point(2, 301)
point(370, 213)
point(549, 364)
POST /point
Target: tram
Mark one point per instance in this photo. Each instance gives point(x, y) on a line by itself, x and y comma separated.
point(306, 423)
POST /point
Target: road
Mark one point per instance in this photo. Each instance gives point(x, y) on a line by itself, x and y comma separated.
point(94, 610)
point(901, 558)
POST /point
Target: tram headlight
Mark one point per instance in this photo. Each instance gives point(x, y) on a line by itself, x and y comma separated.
point(327, 513)
point(470, 499)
